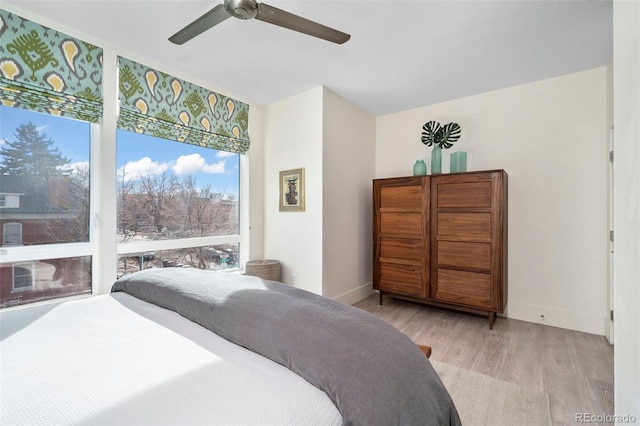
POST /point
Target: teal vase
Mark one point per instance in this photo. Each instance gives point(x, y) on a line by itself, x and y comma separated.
point(458, 162)
point(436, 160)
point(420, 168)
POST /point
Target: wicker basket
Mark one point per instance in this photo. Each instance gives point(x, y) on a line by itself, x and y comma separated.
point(265, 269)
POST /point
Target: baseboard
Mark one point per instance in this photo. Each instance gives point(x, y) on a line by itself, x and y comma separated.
point(587, 323)
point(356, 295)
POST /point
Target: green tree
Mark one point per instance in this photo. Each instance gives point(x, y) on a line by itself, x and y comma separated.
point(31, 154)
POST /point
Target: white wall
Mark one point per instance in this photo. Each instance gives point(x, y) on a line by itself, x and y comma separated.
point(252, 206)
point(328, 246)
point(348, 169)
point(626, 81)
point(293, 139)
point(551, 138)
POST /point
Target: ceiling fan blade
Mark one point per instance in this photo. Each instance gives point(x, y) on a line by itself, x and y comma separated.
point(279, 17)
point(200, 25)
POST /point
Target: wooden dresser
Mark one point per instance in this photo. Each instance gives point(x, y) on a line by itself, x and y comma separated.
point(442, 240)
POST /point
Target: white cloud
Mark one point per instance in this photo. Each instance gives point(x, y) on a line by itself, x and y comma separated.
point(142, 168)
point(194, 163)
point(224, 154)
point(79, 167)
point(3, 141)
point(40, 129)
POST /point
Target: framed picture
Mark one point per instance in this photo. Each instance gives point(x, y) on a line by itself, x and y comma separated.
point(292, 190)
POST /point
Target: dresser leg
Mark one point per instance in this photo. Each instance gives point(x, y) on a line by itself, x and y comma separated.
point(492, 319)
point(380, 298)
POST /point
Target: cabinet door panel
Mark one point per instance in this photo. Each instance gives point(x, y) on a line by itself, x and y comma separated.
point(402, 278)
point(401, 197)
point(464, 255)
point(464, 225)
point(401, 248)
point(467, 195)
point(469, 288)
point(409, 224)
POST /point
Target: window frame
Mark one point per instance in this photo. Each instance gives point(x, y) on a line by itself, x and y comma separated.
point(30, 266)
point(141, 247)
point(7, 225)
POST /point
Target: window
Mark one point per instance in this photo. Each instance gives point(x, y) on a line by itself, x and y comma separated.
point(22, 276)
point(178, 172)
point(218, 257)
point(51, 92)
point(44, 160)
point(9, 201)
point(177, 201)
point(11, 234)
point(44, 279)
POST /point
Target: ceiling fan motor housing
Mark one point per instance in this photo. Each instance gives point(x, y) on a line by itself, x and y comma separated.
point(241, 9)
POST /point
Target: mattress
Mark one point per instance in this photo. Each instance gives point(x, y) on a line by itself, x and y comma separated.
point(115, 359)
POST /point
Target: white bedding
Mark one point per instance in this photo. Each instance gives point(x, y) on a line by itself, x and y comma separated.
point(114, 359)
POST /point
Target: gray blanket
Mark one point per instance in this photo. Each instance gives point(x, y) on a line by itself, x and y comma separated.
point(373, 373)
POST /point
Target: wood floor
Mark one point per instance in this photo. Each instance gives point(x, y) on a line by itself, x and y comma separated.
point(575, 369)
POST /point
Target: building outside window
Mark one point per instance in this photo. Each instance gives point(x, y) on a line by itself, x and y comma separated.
point(44, 164)
point(22, 276)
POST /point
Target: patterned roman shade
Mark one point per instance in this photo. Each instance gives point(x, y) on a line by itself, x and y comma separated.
point(158, 104)
point(47, 71)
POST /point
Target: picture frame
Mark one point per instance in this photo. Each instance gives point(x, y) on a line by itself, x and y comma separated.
point(292, 190)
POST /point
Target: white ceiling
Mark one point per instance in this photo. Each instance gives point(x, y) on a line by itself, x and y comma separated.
point(402, 54)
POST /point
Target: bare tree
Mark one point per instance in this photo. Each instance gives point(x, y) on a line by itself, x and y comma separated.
point(177, 209)
point(158, 190)
point(197, 205)
point(126, 220)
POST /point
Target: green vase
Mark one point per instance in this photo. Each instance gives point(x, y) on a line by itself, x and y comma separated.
point(420, 168)
point(458, 162)
point(436, 160)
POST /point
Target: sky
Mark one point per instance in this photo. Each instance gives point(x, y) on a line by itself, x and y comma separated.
point(141, 155)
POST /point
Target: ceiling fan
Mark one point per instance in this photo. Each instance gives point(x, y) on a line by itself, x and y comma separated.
point(248, 9)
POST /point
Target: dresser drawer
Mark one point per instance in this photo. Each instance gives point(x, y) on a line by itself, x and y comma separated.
point(466, 226)
point(464, 255)
point(464, 195)
point(401, 197)
point(407, 249)
point(467, 288)
point(401, 224)
point(401, 278)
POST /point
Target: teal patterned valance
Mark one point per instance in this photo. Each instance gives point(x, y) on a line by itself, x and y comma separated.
point(47, 71)
point(157, 104)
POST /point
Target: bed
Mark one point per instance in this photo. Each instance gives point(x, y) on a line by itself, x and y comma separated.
point(185, 346)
